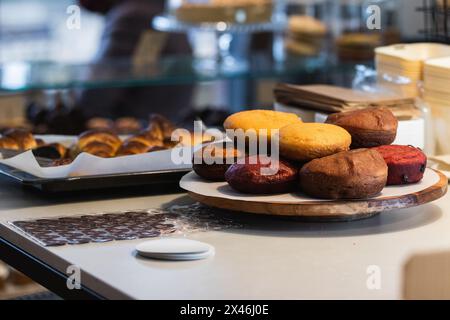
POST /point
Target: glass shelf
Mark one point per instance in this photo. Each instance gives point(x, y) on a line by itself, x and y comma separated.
point(23, 76)
point(167, 23)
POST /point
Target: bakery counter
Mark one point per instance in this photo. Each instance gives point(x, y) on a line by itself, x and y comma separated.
point(265, 258)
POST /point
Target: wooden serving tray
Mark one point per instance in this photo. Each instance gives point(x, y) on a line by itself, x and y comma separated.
point(220, 195)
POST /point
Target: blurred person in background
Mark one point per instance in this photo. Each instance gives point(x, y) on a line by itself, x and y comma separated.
point(125, 21)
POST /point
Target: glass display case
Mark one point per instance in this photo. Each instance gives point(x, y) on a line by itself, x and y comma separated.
point(221, 51)
point(359, 26)
point(220, 31)
point(224, 61)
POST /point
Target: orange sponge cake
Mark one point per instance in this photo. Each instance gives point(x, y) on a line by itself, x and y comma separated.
point(307, 141)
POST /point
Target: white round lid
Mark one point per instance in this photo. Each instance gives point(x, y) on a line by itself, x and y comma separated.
point(179, 257)
point(172, 246)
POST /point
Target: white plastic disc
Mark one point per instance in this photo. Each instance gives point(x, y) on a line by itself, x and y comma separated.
point(175, 249)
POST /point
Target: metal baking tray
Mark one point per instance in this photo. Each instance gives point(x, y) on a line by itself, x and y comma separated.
point(163, 177)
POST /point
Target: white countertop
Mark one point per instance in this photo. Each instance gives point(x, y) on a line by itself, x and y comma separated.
point(269, 259)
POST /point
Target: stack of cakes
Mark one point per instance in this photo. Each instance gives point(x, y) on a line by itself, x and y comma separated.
point(229, 11)
point(306, 35)
point(348, 157)
point(357, 45)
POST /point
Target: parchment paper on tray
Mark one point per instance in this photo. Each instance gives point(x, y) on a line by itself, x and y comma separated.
point(88, 165)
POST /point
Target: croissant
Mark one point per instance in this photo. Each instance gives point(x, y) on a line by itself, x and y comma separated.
point(132, 147)
point(154, 131)
point(8, 143)
point(165, 125)
point(99, 149)
point(147, 140)
point(98, 136)
point(23, 138)
point(140, 143)
point(135, 147)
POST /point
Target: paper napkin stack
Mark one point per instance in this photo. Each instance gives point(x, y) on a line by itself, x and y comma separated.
point(329, 99)
point(437, 95)
point(437, 81)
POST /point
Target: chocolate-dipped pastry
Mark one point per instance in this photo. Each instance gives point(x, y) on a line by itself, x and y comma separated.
point(61, 149)
point(23, 137)
point(9, 143)
point(51, 151)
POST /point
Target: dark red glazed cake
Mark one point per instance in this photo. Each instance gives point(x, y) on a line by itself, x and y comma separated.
point(406, 164)
point(248, 178)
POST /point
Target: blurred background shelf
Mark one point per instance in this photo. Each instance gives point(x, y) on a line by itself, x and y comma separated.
point(167, 23)
point(26, 76)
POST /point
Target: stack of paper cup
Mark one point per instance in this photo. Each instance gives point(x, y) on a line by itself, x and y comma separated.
point(406, 61)
point(437, 80)
point(437, 95)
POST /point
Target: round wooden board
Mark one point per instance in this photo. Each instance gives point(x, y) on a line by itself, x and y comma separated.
point(323, 210)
